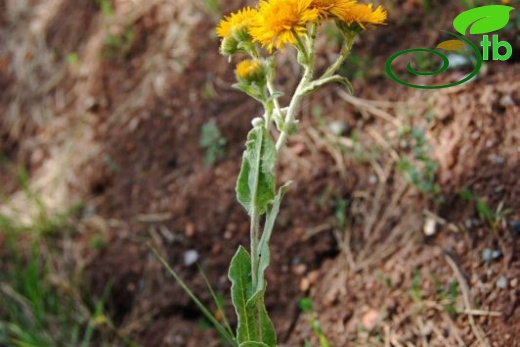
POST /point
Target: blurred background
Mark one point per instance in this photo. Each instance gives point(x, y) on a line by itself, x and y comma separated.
point(120, 132)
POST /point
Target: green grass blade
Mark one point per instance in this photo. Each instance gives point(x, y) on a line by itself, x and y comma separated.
point(229, 338)
point(217, 303)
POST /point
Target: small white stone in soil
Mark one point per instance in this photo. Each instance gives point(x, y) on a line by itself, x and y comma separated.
point(430, 227)
point(191, 257)
point(502, 282)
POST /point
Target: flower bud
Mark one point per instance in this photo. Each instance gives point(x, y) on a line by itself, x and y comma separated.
point(228, 46)
point(250, 71)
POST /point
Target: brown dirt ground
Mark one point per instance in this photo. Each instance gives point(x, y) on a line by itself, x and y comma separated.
point(128, 117)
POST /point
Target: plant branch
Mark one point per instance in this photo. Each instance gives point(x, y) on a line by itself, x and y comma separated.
point(298, 93)
point(343, 54)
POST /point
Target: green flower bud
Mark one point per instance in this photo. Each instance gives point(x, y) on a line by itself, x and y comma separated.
point(228, 46)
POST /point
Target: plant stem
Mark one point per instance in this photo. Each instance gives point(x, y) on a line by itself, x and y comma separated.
point(276, 103)
point(343, 54)
point(254, 235)
point(308, 50)
point(295, 103)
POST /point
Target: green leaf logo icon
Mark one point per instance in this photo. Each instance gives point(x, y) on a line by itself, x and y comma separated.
point(451, 45)
point(482, 20)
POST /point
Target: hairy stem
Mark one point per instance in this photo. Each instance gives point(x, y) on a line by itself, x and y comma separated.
point(295, 103)
point(276, 103)
point(343, 54)
point(308, 50)
point(255, 237)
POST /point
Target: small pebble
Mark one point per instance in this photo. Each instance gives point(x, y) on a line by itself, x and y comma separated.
point(489, 254)
point(304, 284)
point(372, 179)
point(468, 224)
point(516, 226)
point(191, 257)
point(502, 282)
point(313, 277)
point(189, 230)
point(514, 282)
point(339, 128)
point(430, 227)
point(486, 255)
point(499, 189)
point(428, 328)
point(497, 159)
point(370, 319)
point(300, 269)
point(506, 101)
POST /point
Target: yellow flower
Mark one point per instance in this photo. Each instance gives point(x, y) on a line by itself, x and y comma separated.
point(335, 8)
point(279, 22)
point(236, 22)
point(250, 71)
point(363, 14)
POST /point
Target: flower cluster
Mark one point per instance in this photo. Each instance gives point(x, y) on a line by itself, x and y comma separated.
point(276, 23)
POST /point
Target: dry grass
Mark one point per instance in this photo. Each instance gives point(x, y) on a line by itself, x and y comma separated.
point(54, 123)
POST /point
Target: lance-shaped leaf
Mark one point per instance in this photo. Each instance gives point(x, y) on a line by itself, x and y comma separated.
point(253, 322)
point(263, 246)
point(320, 82)
point(249, 89)
point(256, 181)
point(482, 20)
point(451, 45)
point(264, 326)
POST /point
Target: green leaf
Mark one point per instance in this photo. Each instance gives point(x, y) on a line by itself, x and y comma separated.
point(253, 344)
point(250, 90)
point(256, 181)
point(311, 87)
point(241, 290)
point(482, 20)
point(264, 325)
point(275, 95)
point(263, 246)
point(253, 322)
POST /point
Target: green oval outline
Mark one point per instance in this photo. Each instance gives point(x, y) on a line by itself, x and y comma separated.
point(478, 65)
point(444, 67)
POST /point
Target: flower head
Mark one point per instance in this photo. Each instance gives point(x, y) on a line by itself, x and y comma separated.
point(236, 22)
point(336, 8)
point(280, 22)
point(363, 14)
point(250, 71)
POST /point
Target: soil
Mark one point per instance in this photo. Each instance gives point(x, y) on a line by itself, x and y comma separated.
point(351, 231)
